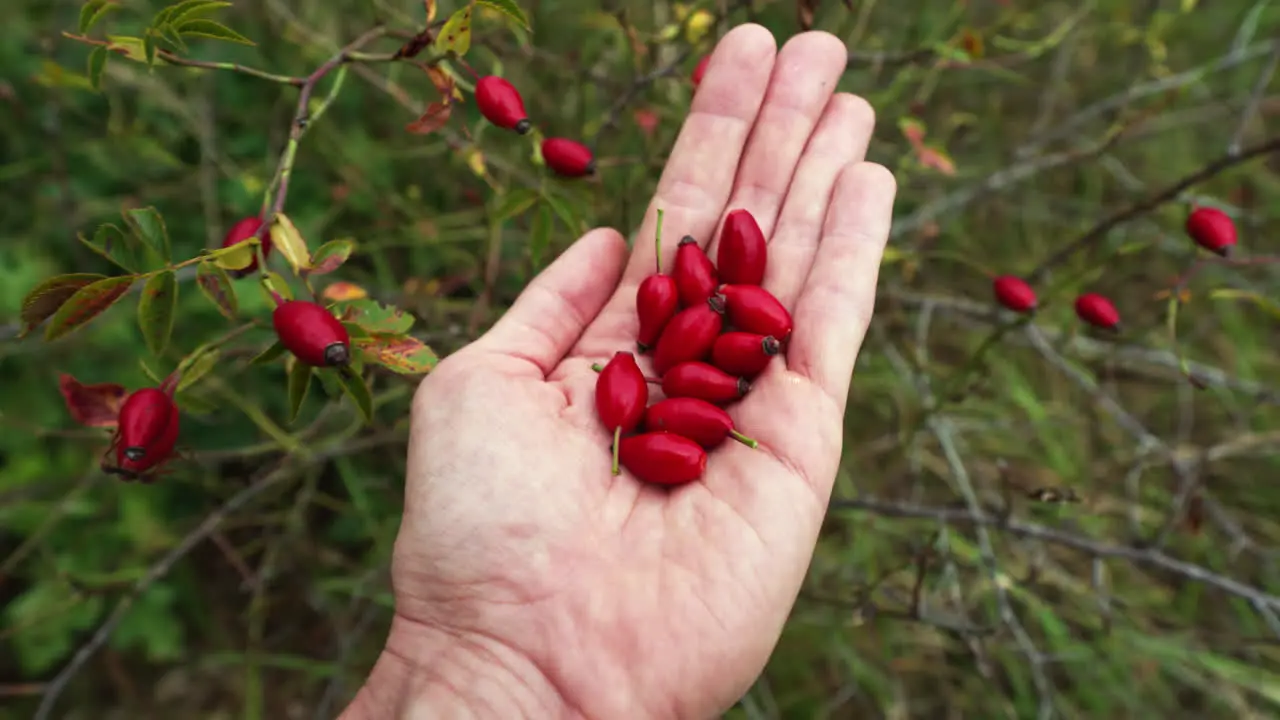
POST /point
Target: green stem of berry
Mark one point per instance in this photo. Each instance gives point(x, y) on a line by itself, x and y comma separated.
point(743, 439)
point(600, 368)
point(657, 241)
point(617, 440)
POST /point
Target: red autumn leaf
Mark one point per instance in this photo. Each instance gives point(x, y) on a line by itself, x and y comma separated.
point(433, 119)
point(91, 405)
point(936, 158)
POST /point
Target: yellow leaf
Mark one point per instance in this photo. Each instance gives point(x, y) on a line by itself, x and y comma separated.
point(475, 161)
point(698, 26)
point(131, 47)
point(431, 10)
point(236, 257)
point(288, 241)
point(455, 36)
point(343, 290)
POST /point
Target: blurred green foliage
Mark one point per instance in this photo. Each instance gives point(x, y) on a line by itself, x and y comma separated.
point(1038, 119)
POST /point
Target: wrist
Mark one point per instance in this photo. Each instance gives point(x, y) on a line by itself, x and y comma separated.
point(425, 672)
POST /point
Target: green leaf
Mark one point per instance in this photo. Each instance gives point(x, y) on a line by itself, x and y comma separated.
point(187, 9)
point(455, 36)
point(43, 300)
point(236, 257)
point(508, 8)
point(149, 47)
point(216, 285)
point(1265, 304)
point(148, 226)
point(566, 215)
point(514, 204)
point(97, 64)
point(169, 34)
point(287, 241)
point(155, 310)
point(131, 47)
point(195, 366)
point(299, 383)
point(330, 382)
point(211, 29)
point(354, 386)
point(91, 12)
point(402, 354)
point(540, 234)
point(374, 317)
point(273, 282)
point(331, 256)
point(270, 354)
point(86, 304)
point(112, 244)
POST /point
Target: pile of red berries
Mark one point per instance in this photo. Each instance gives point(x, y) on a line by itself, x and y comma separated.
point(1209, 227)
point(711, 329)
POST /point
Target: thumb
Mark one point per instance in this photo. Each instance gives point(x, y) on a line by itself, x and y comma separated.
point(550, 315)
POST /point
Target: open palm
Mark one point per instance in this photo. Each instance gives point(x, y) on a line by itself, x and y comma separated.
point(523, 569)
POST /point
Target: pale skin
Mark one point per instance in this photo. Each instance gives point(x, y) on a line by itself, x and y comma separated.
point(529, 582)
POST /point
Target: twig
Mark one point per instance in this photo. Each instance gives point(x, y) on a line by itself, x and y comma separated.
point(1152, 202)
point(1148, 557)
point(166, 563)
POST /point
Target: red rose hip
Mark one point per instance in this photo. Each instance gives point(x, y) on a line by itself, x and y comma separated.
point(657, 299)
point(241, 231)
point(751, 308)
point(689, 336)
point(695, 275)
point(744, 354)
point(621, 396)
point(1212, 229)
point(1014, 293)
point(312, 334)
point(663, 458)
point(743, 252)
point(568, 157)
point(146, 433)
point(500, 103)
point(705, 382)
point(1097, 311)
point(698, 420)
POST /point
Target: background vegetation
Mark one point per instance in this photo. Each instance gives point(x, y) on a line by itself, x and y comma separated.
point(941, 588)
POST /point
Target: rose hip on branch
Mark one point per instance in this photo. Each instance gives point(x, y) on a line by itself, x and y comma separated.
point(312, 334)
point(694, 274)
point(146, 434)
point(698, 420)
point(621, 396)
point(689, 336)
point(1013, 293)
point(1212, 229)
point(657, 299)
point(500, 103)
point(751, 308)
point(568, 158)
point(743, 252)
point(663, 458)
point(1097, 311)
point(744, 354)
point(705, 382)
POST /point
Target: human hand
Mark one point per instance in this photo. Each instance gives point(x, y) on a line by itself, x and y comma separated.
point(529, 582)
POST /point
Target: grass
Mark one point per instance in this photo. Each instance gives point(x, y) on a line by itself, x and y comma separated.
point(1072, 112)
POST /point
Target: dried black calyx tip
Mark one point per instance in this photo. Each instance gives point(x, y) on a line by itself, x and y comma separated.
point(589, 168)
point(770, 345)
point(687, 240)
point(337, 354)
point(642, 348)
point(126, 475)
point(523, 126)
point(717, 303)
point(744, 386)
point(135, 453)
point(1224, 251)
